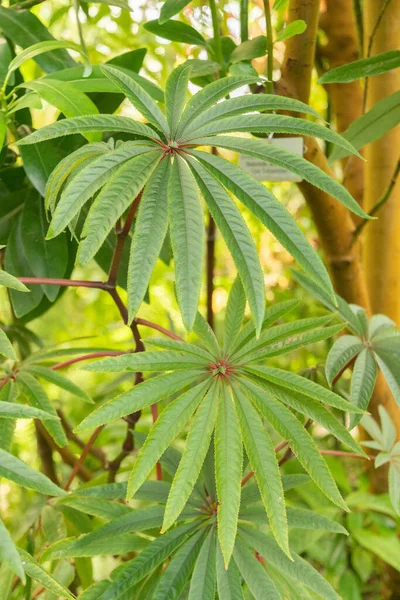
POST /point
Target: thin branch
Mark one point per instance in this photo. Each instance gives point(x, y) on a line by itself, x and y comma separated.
point(270, 47)
point(96, 452)
point(384, 198)
point(154, 414)
point(277, 449)
point(343, 369)
point(79, 463)
point(64, 282)
point(78, 359)
point(159, 328)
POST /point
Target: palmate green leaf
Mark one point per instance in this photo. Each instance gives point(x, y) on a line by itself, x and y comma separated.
point(9, 553)
point(6, 348)
point(88, 124)
point(387, 547)
point(175, 94)
point(210, 95)
point(97, 507)
point(234, 313)
point(363, 381)
point(142, 395)
point(34, 570)
point(180, 346)
point(202, 585)
point(37, 397)
point(365, 67)
point(228, 472)
point(237, 237)
point(342, 352)
point(206, 335)
point(269, 123)
point(117, 544)
point(313, 409)
point(67, 98)
point(298, 569)
point(296, 383)
point(164, 431)
point(148, 235)
point(272, 314)
point(136, 569)
point(177, 573)
point(251, 491)
point(287, 160)
point(187, 238)
point(140, 99)
point(197, 443)
point(254, 574)
point(273, 335)
point(22, 474)
point(10, 410)
point(371, 126)
point(229, 585)
point(307, 519)
point(261, 453)
point(389, 365)
point(148, 361)
point(58, 380)
point(378, 324)
point(12, 282)
point(116, 196)
point(263, 204)
point(89, 180)
point(302, 444)
point(67, 166)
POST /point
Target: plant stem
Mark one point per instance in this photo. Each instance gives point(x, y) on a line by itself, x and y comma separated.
point(82, 457)
point(357, 8)
point(244, 20)
point(77, 359)
point(270, 47)
point(217, 35)
point(64, 282)
point(384, 198)
point(159, 328)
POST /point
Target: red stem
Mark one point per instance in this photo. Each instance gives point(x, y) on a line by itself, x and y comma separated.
point(64, 282)
point(154, 414)
point(77, 359)
point(166, 332)
point(82, 457)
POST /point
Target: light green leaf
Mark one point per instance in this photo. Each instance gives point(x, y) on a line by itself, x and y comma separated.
point(378, 324)
point(12, 282)
point(302, 444)
point(170, 8)
point(11, 410)
point(269, 123)
point(22, 474)
point(147, 361)
point(187, 238)
point(89, 180)
point(29, 100)
point(229, 585)
point(120, 191)
point(6, 348)
point(371, 126)
point(67, 166)
point(175, 31)
point(174, 578)
point(197, 443)
point(202, 585)
point(208, 96)
point(287, 160)
point(343, 351)
point(388, 362)
point(37, 397)
point(387, 547)
point(298, 569)
point(9, 392)
point(9, 553)
point(140, 99)
point(294, 28)
point(155, 553)
point(307, 519)
point(58, 380)
point(3, 128)
point(365, 67)
point(234, 313)
point(88, 124)
point(175, 94)
point(164, 431)
point(98, 507)
point(249, 49)
point(138, 397)
point(148, 235)
point(36, 572)
point(394, 479)
point(261, 454)
point(362, 382)
point(247, 104)
point(254, 574)
point(115, 544)
point(296, 383)
point(206, 335)
point(228, 472)
point(237, 237)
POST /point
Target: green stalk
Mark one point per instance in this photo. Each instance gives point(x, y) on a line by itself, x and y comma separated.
point(217, 35)
point(270, 47)
point(244, 20)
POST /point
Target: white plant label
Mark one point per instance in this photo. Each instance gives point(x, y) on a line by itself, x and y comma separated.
point(264, 171)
